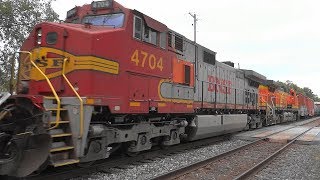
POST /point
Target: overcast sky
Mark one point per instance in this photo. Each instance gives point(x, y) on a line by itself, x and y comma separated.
point(277, 38)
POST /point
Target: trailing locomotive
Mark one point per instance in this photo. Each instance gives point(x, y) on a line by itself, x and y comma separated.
point(113, 78)
point(317, 108)
point(306, 106)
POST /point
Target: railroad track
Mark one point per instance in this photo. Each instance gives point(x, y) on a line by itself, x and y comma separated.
point(123, 162)
point(238, 163)
point(119, 161)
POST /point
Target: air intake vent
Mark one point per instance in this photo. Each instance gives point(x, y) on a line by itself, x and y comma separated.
point(209, 58)
point(229, 63)
point(170, 39)
point(179, 43)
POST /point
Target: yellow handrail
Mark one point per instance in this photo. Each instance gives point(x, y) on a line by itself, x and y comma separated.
point(51, 87)
point(77, 94)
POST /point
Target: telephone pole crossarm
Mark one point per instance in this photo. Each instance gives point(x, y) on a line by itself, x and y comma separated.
point(194, 16)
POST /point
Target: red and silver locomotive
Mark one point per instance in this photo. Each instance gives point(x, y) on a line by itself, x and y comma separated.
point(111, 78)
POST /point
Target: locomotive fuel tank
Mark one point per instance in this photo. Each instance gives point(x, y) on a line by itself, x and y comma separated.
point(204, 126)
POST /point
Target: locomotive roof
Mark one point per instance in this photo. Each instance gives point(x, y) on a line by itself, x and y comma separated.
point(250, 74)
point(154, 24)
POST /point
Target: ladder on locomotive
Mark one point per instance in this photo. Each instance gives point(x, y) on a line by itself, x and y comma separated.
point(62, 151)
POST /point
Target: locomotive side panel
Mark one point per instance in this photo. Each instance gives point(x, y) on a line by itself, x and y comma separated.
point(225, 82)
point(240, 100)
point(310, 107)
point(205, 70)
point(303, 111)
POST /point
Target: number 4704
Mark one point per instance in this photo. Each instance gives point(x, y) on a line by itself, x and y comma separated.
point(144, 59)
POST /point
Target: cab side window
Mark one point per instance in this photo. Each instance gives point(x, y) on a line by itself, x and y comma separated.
point(163, 40)
point(150, 35)
point(145, 33)
point(137, 32)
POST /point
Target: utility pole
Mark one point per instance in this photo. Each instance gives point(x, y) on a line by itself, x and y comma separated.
point(194, 16)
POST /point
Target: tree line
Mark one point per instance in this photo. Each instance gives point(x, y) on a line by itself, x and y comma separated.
point(17, 19)
point(286, 86)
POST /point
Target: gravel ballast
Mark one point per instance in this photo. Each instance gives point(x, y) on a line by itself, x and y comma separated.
point(166, 164)
point(234, 164)
point(298, 162)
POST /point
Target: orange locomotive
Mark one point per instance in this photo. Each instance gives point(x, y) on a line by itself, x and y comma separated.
point(306, 106)
point(277, 105)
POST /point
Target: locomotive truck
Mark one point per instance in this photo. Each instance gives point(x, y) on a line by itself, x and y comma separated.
point(111, 78)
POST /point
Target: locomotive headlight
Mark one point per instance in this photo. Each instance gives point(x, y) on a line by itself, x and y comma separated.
point(101, 4)
point(39, 41)
point(39, 36)
point(39, 32)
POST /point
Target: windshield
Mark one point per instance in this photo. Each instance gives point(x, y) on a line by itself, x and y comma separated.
point(114, 20)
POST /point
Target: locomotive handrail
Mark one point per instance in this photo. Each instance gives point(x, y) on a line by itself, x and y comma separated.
point(76, 93)
point(4, 96)
point(57, 122)
point(266, 103)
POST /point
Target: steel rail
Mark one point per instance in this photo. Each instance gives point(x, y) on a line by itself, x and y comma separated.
point(263, 163)
point(184, 170)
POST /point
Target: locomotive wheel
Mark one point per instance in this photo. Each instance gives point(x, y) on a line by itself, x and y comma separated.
point(11, 153)
point(42, 167)
point(126, 147)
point(86, 164)
point(164, 147)
point(132, 154)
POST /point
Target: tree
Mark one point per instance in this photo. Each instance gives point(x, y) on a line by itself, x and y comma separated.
point(17, 19)
point(283, 86)
point(305, 91)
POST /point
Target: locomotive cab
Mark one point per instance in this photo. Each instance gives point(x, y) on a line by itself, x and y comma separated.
point(88, 41)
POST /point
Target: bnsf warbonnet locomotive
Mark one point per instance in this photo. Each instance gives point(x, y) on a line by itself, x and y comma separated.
point(112, 78)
